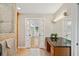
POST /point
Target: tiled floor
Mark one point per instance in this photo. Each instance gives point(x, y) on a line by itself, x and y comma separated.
point(32, 52)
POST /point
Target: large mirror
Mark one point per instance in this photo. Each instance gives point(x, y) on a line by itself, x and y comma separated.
point(6, 18)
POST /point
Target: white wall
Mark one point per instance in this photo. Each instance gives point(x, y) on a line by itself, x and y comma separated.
point(59, 28)
point(48, 26)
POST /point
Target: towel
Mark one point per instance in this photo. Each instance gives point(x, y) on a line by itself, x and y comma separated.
point(9, 43)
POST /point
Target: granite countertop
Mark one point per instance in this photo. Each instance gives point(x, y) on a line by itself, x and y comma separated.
point(61, 42)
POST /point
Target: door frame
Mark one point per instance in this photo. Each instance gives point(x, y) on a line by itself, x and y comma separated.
point(36, 18)
point(77, 44)
point(74, 30)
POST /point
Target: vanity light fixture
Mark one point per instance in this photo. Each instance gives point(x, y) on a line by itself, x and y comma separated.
point(61, 16)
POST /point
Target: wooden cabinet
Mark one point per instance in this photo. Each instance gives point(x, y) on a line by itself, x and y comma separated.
point(57, 50)
point(62, 51)
point(52, 50)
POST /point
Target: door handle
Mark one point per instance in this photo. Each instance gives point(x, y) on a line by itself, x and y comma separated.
point(77, 44)
point(29, 34)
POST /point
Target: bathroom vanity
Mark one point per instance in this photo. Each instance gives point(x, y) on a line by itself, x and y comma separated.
point(61, 47)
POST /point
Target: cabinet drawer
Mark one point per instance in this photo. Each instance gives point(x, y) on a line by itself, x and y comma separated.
point(62, 51)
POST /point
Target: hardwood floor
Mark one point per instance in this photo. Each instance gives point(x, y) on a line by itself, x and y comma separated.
point(22, 52)
point(32, 52)
point(34, 42)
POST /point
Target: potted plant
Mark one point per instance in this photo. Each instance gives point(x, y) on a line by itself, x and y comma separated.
point(54, 36)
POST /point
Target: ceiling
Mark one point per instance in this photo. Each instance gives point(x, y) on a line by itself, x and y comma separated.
point(38, 8)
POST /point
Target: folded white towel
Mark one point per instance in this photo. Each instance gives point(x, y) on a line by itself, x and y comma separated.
point(9, 43)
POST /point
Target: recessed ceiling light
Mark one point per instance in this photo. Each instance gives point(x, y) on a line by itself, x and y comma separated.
point(18, 8)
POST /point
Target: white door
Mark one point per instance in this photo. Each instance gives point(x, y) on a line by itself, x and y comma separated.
point(41, 34)
point(76, 30)
point(77, 44)
point(27, 34)
point(34, 28)
point(34, 31)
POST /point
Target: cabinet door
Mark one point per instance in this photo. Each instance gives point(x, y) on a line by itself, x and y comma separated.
point(62, 51)
point(52, 51)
